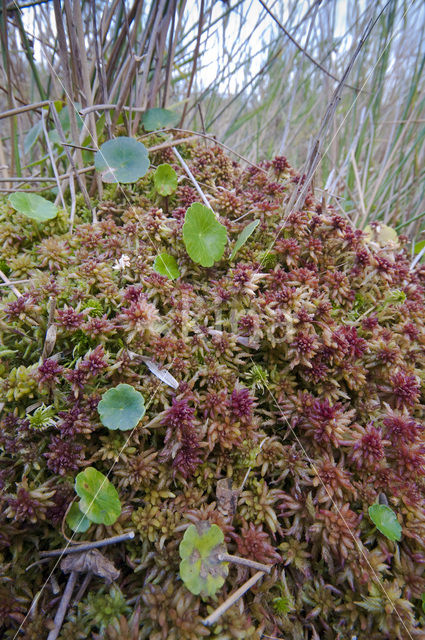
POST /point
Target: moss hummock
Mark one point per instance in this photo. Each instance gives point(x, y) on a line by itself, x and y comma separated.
point(300, 370)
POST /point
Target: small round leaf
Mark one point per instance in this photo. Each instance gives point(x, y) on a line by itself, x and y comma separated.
point(165, 180)
point(386, 521)
point(243, 237)
point(201, 569)
point(154, 119)
point(122, 160)
point(121, 407)
point(76, 520)
point(99, 498)
point(33, 206)
point(382, 234)
point(203, 236)
point(166, 265)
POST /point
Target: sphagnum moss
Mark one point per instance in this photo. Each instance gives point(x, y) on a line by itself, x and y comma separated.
point(323, 408)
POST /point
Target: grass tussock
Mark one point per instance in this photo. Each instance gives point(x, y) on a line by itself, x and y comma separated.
point(260, 99)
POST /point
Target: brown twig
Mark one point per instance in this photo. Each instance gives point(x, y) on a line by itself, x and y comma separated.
point(230, 601)
point(30, 179)
point(62, 176)
point(78, 146)
point(37, 562)
point(7, 284)
point(81, 591)
point(33, 190)
point(109, 107)
point(63, 606)
point(89, 545)
point(245, 562)
point(24, 108)
point(10, 284)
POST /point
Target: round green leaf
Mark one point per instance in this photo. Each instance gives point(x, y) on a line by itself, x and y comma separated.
point(201, 569)
point(165, 180)
point(243, 237)
point(386, 521)
point(203, 236)
point(166, 265)
point(122, 160)
point(76, 520)
point(382, 234)
point(99, 498)
point(154, 119)
point(33, 206)
point(121, 407)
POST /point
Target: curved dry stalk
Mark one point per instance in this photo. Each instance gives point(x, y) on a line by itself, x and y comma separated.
point(63, 606)
point(234, 597)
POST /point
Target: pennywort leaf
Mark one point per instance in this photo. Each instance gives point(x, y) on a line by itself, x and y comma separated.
point(122, 160)
point(385, 521)
point(76, 520)
point(121, 407)
point(99, 498)
point(154, 119)
point(33, 206)
point(165, 180)
point(166, 265)
point(382, 234)
point(201, 569)
point(203, 236)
